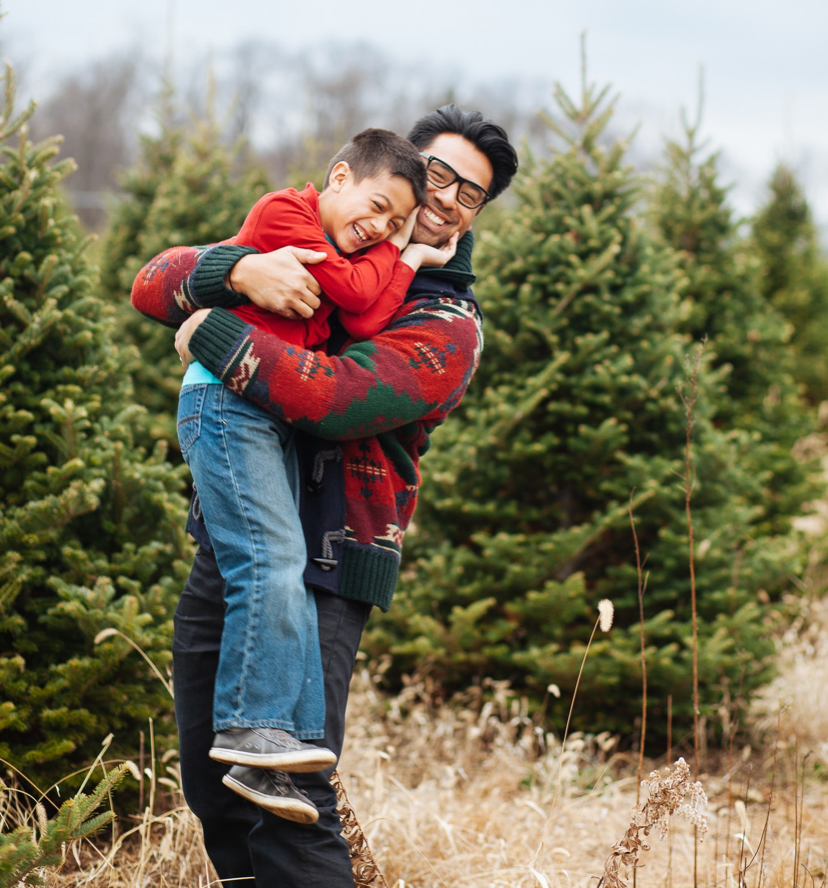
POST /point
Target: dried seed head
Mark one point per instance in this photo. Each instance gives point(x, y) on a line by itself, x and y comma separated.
point(605, 614)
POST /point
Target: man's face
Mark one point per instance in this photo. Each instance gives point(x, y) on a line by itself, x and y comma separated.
point(442, 214)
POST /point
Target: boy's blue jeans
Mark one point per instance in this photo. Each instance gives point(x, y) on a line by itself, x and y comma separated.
point(245, 470)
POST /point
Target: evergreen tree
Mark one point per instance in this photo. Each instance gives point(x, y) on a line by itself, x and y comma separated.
point(188, 187)
point(90, 530)
point(748, 338)
point(723, 301)
point(524, 520)
point(795, 276)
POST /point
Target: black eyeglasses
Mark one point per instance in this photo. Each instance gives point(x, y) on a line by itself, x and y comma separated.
point(469, 194)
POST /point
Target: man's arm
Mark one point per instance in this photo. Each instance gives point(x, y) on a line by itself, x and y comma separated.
point(417, 369)
point(181, 280)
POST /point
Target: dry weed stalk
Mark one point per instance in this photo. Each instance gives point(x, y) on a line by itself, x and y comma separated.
point(367, 873)
point(666, 794)
point(689, 402)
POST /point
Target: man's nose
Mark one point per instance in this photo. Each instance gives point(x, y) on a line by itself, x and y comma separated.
point(447, 196)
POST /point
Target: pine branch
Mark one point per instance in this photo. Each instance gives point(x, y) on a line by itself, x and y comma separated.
point(28, 850)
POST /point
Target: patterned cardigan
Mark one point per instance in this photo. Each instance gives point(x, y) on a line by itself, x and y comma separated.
point(368, 412)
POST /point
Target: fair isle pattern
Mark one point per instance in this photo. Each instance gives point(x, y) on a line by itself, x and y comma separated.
point(245, 365)
point(307, 363)
point(429, 358)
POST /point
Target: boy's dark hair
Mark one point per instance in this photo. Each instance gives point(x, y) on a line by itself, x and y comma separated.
point(489, 138)
point(376, 151)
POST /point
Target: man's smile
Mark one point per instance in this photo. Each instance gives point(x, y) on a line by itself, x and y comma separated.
point(432, 217)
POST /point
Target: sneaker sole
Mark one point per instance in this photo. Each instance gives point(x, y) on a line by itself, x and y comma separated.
point(301, 762)
point(289, 809)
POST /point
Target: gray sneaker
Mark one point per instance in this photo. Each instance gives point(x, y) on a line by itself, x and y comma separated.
point(272, 790)
point(269, 748)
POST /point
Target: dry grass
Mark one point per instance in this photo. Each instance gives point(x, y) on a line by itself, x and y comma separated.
point(466, 796)
point(476, 795)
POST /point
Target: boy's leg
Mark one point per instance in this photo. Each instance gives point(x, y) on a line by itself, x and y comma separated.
point(241, 838)
point(244, 466)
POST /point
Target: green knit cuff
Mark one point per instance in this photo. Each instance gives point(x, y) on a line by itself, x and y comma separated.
point(207, 287)
point(368, 576)
point(214, 337)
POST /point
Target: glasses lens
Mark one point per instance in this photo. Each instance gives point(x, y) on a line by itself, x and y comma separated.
point(440, 174)
point(471, 195)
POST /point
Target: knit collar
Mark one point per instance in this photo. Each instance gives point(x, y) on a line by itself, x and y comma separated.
point(458, 269)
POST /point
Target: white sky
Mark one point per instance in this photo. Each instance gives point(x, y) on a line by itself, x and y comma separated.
point(765, 63)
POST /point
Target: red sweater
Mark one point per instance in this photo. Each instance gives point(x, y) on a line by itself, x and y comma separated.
point(368, 287)
point(376, 403)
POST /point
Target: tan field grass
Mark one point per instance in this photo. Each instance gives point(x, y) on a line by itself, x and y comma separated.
point(474, 795)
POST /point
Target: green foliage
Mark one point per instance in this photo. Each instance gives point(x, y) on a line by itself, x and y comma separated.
point(794, 277)
point(524, 520)
point(723, 299)
point(90, 529)
point(187, 187)
point(27, 850)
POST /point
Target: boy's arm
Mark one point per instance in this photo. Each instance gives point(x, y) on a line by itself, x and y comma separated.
point(416, 369)
point(352, 283)
point(367, 324)
point(181, 280)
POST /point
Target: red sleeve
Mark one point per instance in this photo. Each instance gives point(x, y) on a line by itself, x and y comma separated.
point(416, 369)
point(367, 324)
point(284, 218)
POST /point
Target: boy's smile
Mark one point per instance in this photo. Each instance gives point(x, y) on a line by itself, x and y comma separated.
point(357, 215)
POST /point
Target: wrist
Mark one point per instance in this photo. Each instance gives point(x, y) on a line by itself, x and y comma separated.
point(412, 256)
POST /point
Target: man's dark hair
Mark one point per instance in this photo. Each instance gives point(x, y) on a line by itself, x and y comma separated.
point(489, 138)
point(376, 151)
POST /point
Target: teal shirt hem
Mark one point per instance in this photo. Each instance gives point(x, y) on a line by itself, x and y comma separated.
point(198, 374)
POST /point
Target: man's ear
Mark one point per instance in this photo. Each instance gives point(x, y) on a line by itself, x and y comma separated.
point(340, 174)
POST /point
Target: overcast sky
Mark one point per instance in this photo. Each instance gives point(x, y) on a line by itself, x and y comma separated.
point(765, 64)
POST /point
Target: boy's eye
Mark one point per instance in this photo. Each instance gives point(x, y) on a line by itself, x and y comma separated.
point(378, 207)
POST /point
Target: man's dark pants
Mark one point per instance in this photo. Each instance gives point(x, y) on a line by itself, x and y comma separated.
point(244, 842)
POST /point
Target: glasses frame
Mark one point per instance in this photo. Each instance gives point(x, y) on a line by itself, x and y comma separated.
point(457, 178)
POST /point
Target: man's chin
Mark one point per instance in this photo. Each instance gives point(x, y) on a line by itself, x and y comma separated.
point(424, 235)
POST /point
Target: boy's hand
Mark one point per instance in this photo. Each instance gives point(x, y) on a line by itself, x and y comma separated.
point(424, 256)
point(183, 334)
point(402, 236)
point(278, 281)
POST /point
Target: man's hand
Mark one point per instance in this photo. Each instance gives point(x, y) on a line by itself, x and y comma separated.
point(183, 334)
point(279, 281)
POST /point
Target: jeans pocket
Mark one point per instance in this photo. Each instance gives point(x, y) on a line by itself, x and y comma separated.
point(190, 403)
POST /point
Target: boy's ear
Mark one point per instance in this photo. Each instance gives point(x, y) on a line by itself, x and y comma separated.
point(339, 175)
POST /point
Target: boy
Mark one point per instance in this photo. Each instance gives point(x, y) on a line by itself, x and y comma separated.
point(244, 464)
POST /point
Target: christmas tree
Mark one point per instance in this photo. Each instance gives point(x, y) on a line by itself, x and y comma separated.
point(90, 529)
point(573, 421)
point(794, 276)
point(748, 339)
point(188, 187)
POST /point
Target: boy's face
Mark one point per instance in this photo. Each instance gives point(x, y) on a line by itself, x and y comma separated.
point(442, 214)
point(360, 214)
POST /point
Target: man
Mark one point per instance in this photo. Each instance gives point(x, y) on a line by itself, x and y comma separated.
point(366, 415)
